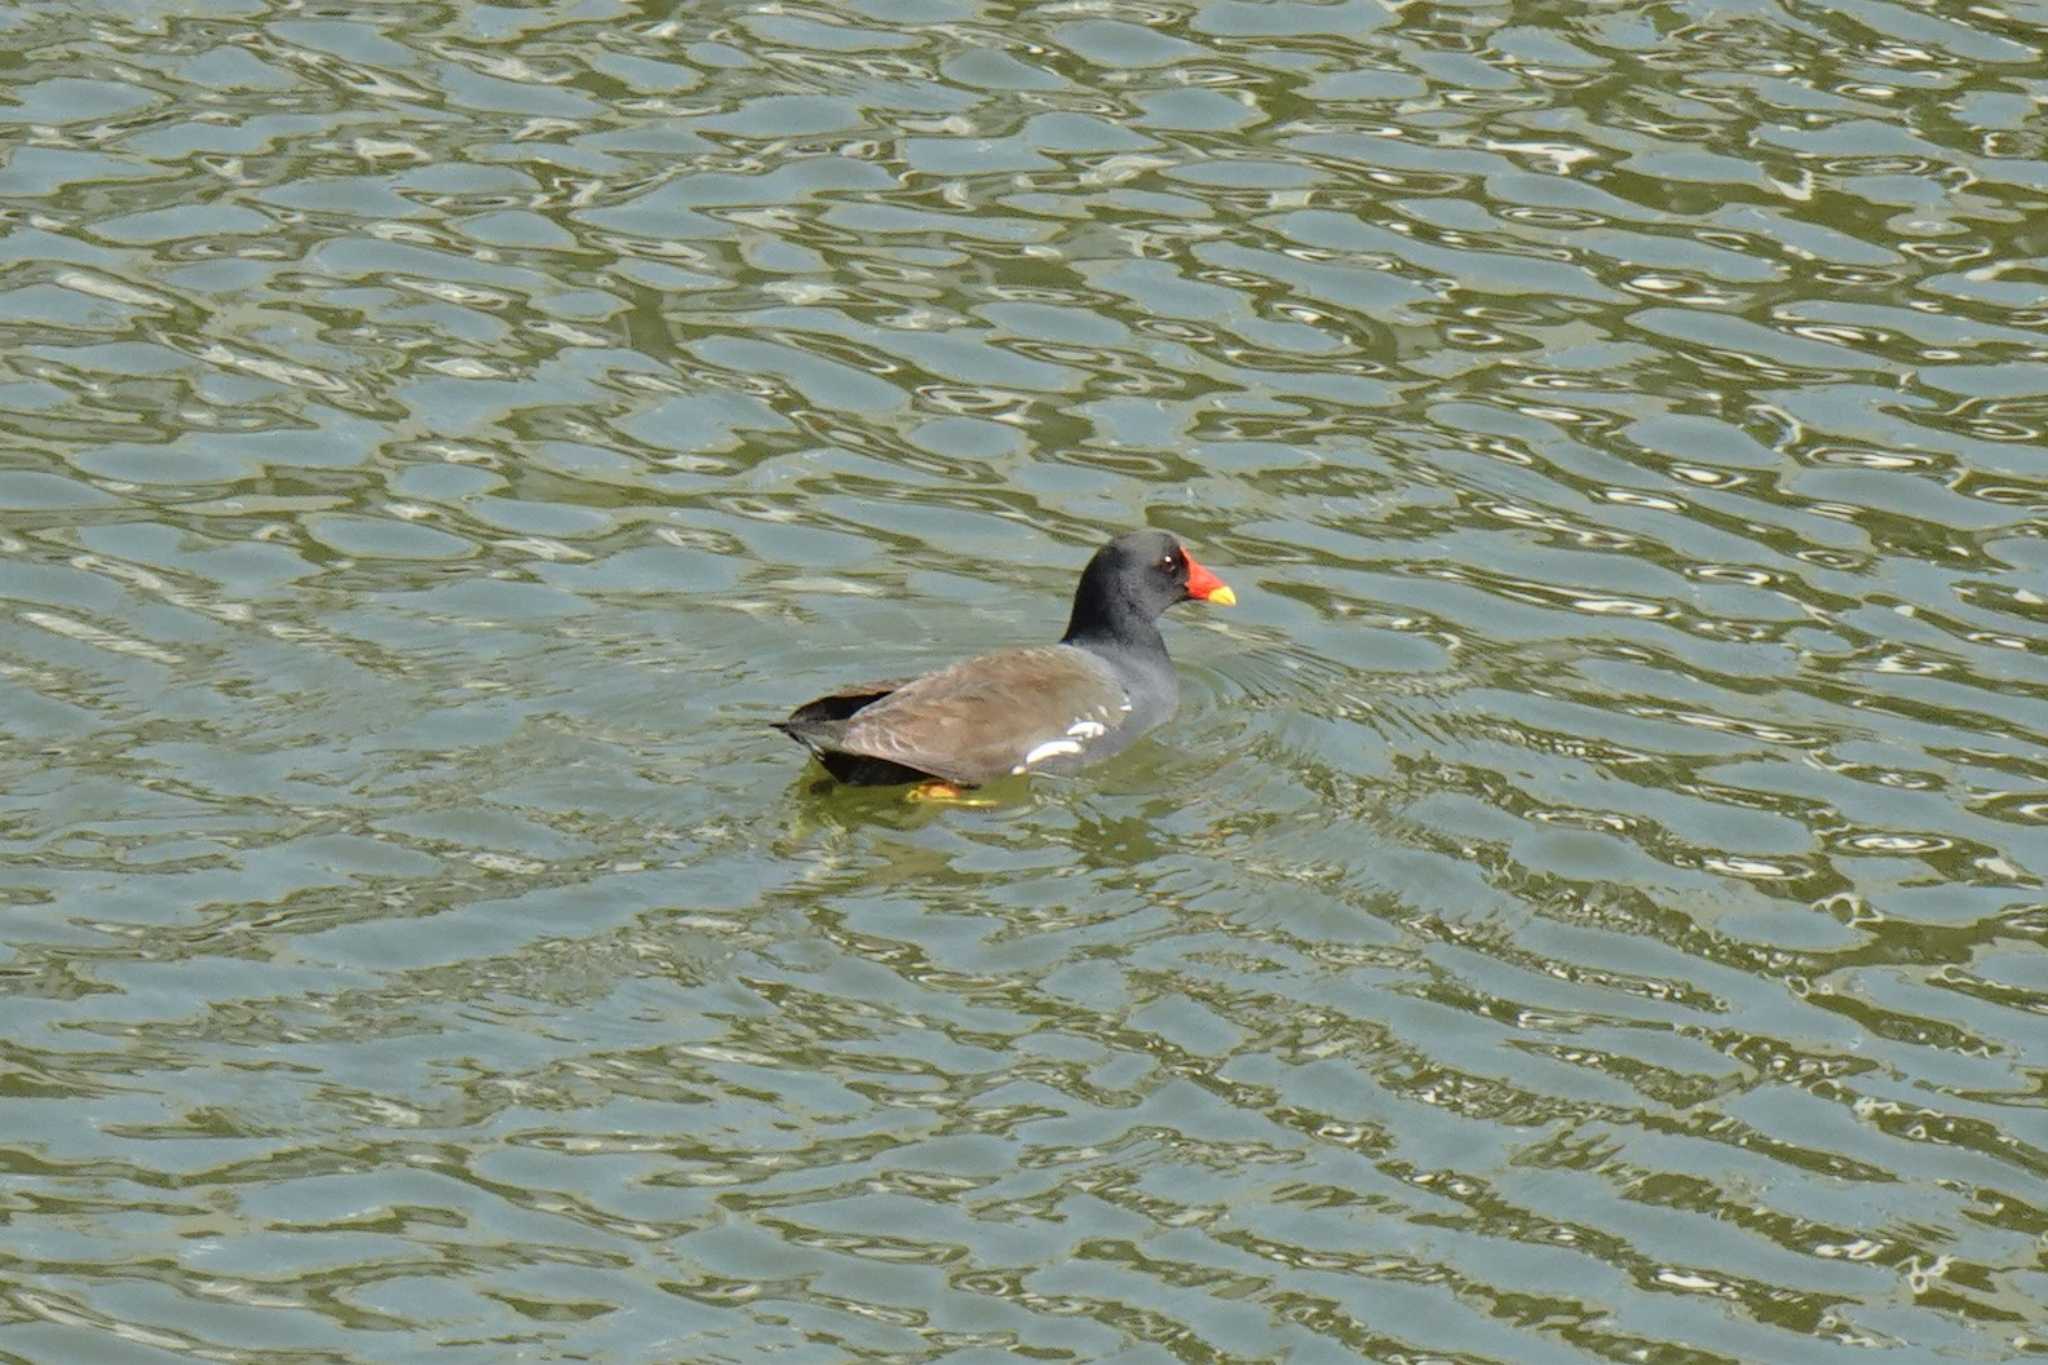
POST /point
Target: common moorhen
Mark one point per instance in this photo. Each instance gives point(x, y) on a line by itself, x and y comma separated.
point(1041, 708)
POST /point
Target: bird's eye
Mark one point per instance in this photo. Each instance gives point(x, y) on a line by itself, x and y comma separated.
point(1167, 564)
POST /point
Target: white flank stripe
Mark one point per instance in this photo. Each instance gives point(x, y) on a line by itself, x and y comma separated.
point(1052, 748)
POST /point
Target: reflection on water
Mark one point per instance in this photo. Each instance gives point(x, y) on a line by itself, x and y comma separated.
point(1590, 905)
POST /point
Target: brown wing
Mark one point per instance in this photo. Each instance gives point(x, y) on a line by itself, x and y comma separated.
point(840, 704)
point(993, 714)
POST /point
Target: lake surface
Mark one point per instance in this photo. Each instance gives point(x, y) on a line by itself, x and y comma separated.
point(1589, 907)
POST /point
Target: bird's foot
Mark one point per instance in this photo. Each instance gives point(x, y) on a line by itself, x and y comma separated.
point(946, 793)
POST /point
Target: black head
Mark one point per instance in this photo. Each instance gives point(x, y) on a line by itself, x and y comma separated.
point(1132, 580)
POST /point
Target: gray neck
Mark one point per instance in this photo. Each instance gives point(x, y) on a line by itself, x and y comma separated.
point(1143, 670)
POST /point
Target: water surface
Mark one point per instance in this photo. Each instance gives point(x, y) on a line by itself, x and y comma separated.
point(1589, 907)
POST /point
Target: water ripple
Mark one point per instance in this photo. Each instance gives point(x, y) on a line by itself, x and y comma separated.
point(1587, 904)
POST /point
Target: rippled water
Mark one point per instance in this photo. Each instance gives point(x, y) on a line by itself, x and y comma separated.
point(1590, 905)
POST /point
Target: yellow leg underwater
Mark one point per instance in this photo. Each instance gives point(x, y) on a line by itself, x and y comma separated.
point(937, 790)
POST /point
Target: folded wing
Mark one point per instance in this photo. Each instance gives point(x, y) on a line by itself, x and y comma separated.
point(1011, 711)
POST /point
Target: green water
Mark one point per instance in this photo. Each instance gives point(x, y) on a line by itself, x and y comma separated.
point(1590, 904)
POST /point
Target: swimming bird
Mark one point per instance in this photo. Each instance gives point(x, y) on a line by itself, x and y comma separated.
point(1037, 708)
